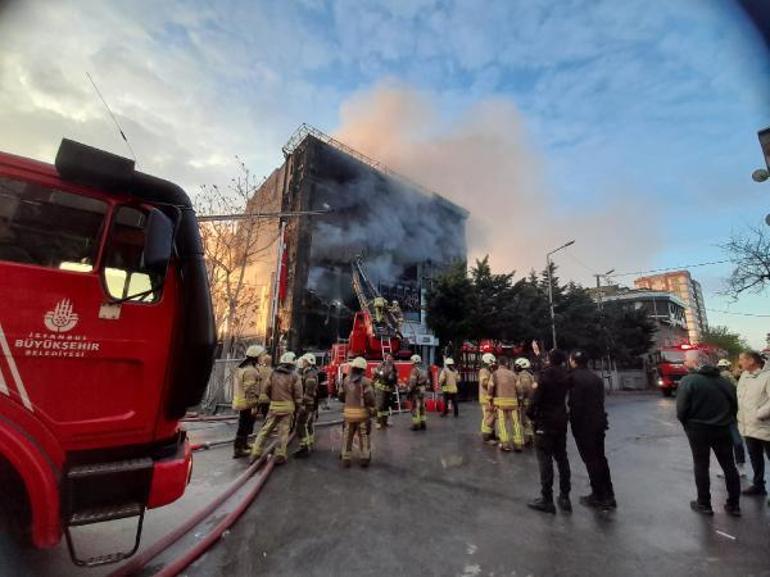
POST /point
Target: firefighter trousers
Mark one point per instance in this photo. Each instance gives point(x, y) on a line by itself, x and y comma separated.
point(382, 399)
point(487, 417)
point(419, 418)
point(528, 432)
point(305, 427)
point(283, 423)
point(509, 428)
point(361, 430)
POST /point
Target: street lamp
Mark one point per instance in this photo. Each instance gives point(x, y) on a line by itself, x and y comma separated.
point(550, 287)
point(762, 174)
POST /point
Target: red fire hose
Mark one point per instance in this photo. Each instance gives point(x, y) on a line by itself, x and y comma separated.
point(181, 563)
point(140, 560)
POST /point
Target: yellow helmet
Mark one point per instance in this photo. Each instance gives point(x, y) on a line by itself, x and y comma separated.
point(416, 359)
point(255, 351)
point(488, 359)
point(288, 358)
point(358, 363)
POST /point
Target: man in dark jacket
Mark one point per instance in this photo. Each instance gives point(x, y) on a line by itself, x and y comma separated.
point(706, 405)
point(548, 413)
point(589, 422)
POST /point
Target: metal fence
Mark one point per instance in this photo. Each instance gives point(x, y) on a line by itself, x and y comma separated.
point(219, 392)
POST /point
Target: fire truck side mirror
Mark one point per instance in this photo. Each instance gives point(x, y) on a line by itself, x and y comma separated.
point(159, 242)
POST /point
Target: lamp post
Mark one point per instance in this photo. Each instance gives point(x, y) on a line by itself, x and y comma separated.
point(608, 373)
point(762, 174)
point(550, 287)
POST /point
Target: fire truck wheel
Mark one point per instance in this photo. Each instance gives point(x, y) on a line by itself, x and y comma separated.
point(14, 508)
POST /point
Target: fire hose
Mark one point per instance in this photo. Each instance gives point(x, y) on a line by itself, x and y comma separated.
point(190, 555)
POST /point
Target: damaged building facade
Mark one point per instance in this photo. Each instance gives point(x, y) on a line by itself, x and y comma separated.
point(337, 204)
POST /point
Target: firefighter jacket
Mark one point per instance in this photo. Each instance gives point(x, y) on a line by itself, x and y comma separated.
point(357, 393)
point(310, 388)
point(246, 385)
point(503, 390)
point(385, 377)
point(485, 377)
point(447, 380)
point(418, 382)
point(526, 384)
point(284, 390)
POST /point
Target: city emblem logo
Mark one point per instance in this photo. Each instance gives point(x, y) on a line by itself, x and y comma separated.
point(61, 319)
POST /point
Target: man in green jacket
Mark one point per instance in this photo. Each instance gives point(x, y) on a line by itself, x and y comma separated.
point(706, 405)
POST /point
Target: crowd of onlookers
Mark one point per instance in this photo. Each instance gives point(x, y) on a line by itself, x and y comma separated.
point(720, 414)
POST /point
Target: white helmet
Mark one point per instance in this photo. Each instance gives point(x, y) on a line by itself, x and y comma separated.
point(724, 364)
point(449, 361)
point(309, 358)
point(288, 358)
point(358, 363)
point(394, 303)
point(416, 359)
point(255, 351)
point(522, 363)
point(488, 359)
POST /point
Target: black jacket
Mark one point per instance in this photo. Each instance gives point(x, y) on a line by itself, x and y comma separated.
point(704, 399)
point(586, 402)
point(548, 410)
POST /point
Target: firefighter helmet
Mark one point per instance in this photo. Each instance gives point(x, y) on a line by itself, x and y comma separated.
point(449, 361)
point(288, 358)
point(394, 303)
point(358, 363)
point(522, 363)
point(488, 359)
point(309, 358)
point(416, 359)
point(255, 351)
point(724, 364)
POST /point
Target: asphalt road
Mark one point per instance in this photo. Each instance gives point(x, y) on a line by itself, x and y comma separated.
point(441, 503)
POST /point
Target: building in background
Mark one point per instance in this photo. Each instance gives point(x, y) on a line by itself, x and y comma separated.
point(405, 233)
point(666, 309)
point(681, 284)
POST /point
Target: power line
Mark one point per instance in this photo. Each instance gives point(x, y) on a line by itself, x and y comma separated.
point(670, 268)
point(738, 314)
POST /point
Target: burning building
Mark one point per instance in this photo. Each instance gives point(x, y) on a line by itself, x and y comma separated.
point(336, 204)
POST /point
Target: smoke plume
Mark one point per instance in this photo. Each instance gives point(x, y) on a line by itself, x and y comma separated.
point(484, 162)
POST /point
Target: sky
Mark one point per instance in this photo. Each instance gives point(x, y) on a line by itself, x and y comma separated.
point(629, 126)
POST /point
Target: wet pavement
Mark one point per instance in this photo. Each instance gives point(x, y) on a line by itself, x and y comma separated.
point(441, 503)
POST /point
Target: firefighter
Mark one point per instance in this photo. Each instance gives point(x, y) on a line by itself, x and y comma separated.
point(395, 311)
point(380, 304)
point(305, 419)
point(385, 381)
point(526, 387)
point(265, 368)
point(246, 385)
point(447, 380)
point(283, 392)
point(358, 395)
point(487, 409)
point(418, 384)
point(503, 392)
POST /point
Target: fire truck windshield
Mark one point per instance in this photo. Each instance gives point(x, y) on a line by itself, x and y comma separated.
point(48, 227)
point(673, 357)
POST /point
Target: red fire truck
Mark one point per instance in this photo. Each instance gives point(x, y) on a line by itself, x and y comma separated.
point(670, 368)
point(106, 338)
point(375, 333)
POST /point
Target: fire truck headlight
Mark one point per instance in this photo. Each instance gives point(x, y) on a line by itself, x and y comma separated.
point(660, 382)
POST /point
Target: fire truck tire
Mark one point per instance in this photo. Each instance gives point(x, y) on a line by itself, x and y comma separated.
point(14, 507)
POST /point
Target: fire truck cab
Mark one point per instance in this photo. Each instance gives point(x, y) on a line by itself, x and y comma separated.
point(106, 338)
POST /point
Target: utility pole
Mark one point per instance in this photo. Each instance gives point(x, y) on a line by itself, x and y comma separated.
point(605, 374)
point(550, 287)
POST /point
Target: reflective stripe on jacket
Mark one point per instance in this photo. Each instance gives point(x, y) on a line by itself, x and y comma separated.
point(246, 381)
point(448, 380)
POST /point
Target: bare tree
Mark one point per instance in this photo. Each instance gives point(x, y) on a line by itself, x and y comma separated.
point(750, 253)
point(230, 246)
